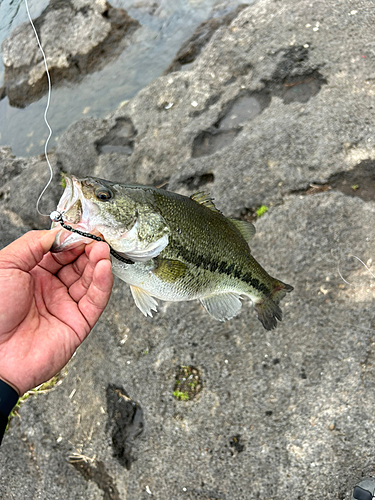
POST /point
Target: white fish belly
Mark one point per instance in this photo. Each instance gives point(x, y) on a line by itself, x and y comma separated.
point(140, 275)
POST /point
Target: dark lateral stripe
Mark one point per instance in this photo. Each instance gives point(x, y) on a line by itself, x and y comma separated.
point(222, 267)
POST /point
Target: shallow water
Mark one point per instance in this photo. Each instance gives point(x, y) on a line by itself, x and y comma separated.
point(165, 25)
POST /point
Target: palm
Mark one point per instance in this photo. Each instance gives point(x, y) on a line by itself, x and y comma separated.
point(49, 311)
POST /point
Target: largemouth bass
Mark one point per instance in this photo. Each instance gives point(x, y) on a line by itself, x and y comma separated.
point(181, 248)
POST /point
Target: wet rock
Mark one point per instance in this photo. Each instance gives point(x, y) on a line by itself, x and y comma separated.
point(78, 36)
point(294, 78)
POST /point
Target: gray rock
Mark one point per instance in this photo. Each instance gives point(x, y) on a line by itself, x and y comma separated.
point(9, 165)
point(25, 179)
point(276, 110)
point(99, 147)
point(11, 226)
point(78, 36)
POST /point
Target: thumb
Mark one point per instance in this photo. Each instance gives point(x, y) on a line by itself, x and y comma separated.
point(26, 252)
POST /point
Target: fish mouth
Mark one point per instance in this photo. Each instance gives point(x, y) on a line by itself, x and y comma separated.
point(77, 212)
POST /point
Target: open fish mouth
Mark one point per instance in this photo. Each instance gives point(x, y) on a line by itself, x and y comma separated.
point(77, 213)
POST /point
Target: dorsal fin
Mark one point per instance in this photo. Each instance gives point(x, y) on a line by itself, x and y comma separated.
point(203, 198)
point(247, 229)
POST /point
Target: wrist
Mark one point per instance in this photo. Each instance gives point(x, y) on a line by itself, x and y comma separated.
point(6, 381)
point(8, 399)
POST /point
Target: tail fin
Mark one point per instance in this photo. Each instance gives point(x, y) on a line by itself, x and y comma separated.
point(268, 310)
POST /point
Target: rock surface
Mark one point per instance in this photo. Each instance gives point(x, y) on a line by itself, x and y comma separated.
point(277, 109)
point(191, 49)
point(78, 37)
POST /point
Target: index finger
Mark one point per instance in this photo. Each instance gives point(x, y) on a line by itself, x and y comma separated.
point(53, 262)
point(28, 250)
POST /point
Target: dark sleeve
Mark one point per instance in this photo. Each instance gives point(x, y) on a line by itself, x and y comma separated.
point(8, 399)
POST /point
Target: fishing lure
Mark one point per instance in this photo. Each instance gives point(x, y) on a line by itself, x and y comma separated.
point(56, 216)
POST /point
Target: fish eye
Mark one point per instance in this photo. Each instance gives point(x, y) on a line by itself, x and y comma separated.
point(103, 194)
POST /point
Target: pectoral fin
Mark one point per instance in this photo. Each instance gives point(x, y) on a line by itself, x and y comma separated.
point(222, 306)
point(169, 270)
point(145, 303)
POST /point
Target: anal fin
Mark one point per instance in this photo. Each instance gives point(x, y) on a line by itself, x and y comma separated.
point(143, 300)
point(222, 306)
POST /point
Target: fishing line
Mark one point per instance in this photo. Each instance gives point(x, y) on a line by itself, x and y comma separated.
point(341, 276)
point(45, 112)
point(368, 269)
point(55, 215)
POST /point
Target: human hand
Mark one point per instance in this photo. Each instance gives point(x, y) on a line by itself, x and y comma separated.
point(48, 305)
